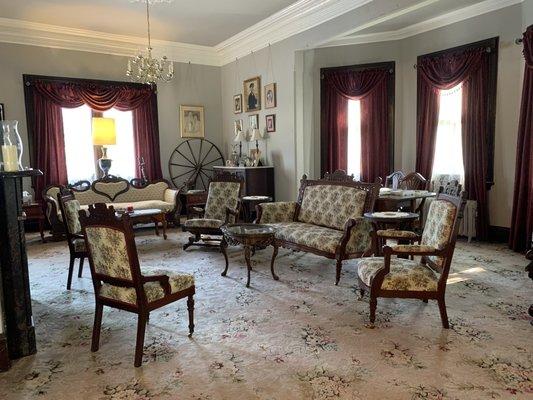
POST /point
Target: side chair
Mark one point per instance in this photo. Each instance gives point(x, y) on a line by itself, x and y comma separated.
point(118, 279)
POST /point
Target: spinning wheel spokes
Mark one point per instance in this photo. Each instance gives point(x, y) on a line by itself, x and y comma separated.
point(192, 161)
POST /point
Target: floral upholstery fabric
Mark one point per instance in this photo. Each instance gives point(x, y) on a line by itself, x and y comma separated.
point(220, 196)
point(419, 248)
point(107, 247)
point(281, 211)
point(438, 228)
point(331, 205)
point(360, 237)
point(395, 234)
point(203, 223)
point(79, 245)
point(153, 290)
point(404, 274)
point(72, 219)
point(314, 236)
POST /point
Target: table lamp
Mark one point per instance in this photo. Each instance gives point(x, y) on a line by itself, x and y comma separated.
point(256, 135)
point(240, 137)
point(104, 134)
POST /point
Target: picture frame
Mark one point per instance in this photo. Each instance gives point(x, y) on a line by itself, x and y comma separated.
point(270, 95)
point(252, 94)
point(2, 112)
point(192, 121)
point(237, 104)
point(253, 120)
point(270, 123)
point(237, 126)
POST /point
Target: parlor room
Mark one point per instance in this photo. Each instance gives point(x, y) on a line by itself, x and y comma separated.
point(282, 199)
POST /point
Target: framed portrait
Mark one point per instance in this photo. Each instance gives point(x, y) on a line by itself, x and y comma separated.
point(237, 126)
point(237, 103)
point(270, 123)
point(2, 112)
point(192, 122)
point(252, 94)
point(270, 95)
point(254, 121)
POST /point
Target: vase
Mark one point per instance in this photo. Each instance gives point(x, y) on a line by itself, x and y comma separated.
point(11, 146)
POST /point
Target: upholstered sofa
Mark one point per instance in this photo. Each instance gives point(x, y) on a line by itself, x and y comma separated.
point(120, 194)
point(327, 219)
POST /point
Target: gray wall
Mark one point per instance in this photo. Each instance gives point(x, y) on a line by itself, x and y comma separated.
point(527, 15)
point(203, 88)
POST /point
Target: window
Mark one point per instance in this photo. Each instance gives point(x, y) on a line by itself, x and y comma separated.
point(81, 155)
point(354, 138)
point(448, 147)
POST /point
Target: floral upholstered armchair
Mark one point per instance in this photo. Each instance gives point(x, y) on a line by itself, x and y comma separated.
point(118, 279)
point(397, 277)
point(326, 220)
point(222, 207)
point(69, 208)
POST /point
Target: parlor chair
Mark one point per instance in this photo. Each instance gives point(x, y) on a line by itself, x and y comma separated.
point(413, 181)
point(118, 280)
point(393, 180)
point(222, 207)
point(70, 207)
point(396, 277)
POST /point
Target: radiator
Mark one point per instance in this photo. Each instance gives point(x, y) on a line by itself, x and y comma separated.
point(467, 226)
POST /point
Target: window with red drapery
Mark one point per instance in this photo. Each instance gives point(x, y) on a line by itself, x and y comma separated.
point(471, 72)
point(48, 102)
point(357, 120)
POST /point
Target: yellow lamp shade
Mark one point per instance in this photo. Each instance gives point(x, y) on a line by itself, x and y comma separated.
point(104, 132)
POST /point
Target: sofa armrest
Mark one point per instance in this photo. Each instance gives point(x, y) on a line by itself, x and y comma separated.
point(171, 196)
point(358, 236)
point(281, 211)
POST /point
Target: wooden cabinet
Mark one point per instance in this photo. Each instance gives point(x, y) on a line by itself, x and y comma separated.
point(258, 181)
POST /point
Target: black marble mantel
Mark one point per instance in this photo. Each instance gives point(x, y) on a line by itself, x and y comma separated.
point(20, 332)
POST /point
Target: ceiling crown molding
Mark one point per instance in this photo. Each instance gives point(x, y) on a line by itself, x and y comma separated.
point(440, 21)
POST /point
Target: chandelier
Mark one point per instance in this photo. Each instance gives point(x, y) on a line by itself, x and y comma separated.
point(143, 67)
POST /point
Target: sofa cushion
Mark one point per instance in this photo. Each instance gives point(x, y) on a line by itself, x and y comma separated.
point(144, 205)
point(314, 236)
point(154, 191)
point(331, 205)
point(404, 274)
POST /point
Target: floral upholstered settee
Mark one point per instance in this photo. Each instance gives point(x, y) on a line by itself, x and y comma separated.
point(326, 220)
point(120, 194)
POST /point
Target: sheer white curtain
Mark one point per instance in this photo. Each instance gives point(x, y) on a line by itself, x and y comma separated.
point(354, 138)
point(123, 153)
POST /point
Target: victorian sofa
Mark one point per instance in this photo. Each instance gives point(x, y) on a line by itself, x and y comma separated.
point(327, 219)
point(117, 192)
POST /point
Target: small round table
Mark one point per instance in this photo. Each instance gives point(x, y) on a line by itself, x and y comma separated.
point(383, 219)
point(249, 236)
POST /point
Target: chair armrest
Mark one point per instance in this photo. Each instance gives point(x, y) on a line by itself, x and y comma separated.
point(281, 211)
point(395, 234)
point(235, 213)
point(162, 279)
point(195, 211)
point(357, 237)
point(412, 249)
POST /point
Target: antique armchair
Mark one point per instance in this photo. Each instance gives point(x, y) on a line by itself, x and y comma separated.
point(69, 208)
point(222, 207)
point(425, 279)
point(413, 181)
point(392, 180)
point(118, 280)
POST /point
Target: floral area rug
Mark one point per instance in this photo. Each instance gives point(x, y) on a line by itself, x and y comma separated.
point(298, 338)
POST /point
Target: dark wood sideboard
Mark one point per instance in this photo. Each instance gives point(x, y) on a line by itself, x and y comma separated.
point(258, 181)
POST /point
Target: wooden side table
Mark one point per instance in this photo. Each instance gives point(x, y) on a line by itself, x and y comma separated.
point(194, 198)
point(249, 203)
point(34, 213)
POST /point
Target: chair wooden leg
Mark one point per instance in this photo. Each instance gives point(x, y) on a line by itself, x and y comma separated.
point(95, 344)
point(141, 329)
point(190, 308)
point(338, 272)
point(274, 255)
point(443, 314)
point(70, 271)
point(373, 306)
point(80, 270)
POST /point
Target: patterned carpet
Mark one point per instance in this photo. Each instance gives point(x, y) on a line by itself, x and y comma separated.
point(299, 338)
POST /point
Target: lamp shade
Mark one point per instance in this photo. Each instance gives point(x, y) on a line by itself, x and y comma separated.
point(256, 135)
point(104, 132)
point(240, 137)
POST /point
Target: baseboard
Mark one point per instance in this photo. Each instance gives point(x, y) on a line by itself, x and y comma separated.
point(5, 362)
point(499, 234)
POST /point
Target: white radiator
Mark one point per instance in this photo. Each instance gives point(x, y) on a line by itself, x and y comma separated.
point(467, 226)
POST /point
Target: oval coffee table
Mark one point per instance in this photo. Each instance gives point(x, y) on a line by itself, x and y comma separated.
point(249, 236)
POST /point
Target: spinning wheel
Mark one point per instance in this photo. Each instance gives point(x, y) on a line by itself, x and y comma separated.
point(192, 162)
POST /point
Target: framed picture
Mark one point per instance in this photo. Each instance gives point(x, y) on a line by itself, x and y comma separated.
point(237, 103)
point(270, 123)
point(270, 95)
point(192, 122)
point(252, 94)
point(237, 126)
point(2, 112)
point(254, 121)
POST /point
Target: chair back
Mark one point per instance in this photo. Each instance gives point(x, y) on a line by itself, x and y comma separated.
point(413, 181)
point(442, 226)
point(393, 180)
point(452, 188)
point(69, 207)
point(224, 192)
point(111, 247)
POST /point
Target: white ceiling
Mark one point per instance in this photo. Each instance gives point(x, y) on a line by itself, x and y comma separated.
point(201, 22)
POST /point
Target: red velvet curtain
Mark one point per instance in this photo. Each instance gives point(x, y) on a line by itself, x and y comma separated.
point(442, 72)
point(50, 96)
point(371, 88)
point(522, 218)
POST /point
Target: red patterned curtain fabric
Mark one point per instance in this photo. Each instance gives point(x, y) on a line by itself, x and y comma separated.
point(441, 72)
point(371, 87)
point(522, 218)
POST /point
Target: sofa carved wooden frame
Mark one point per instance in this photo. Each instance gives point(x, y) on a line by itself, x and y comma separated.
point(446, 253)
point(338, 178)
